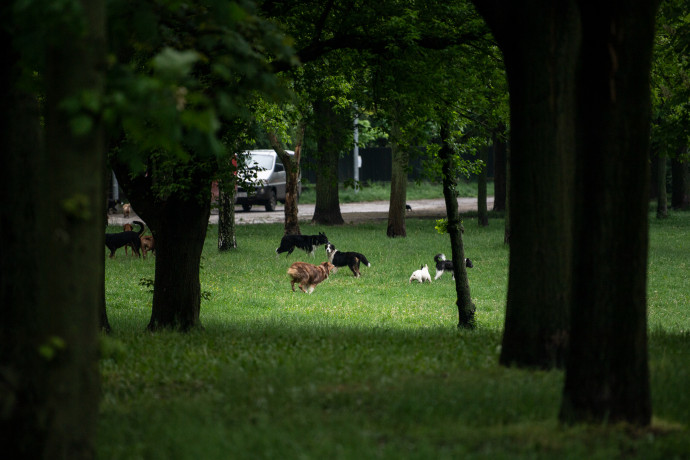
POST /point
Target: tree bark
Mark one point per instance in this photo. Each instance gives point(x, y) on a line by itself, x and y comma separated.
point(398, 198)
point(226, 216)
point(500, 159)
point(538, 35)
point(53, 242)
point(662, 197)
point(292, 174)
point(680, 185)
point(466, 308)
point(329, 139)
point(607, 375)
point(482, 208)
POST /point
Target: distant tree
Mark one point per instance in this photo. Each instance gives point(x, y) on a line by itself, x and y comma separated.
point(52, 227)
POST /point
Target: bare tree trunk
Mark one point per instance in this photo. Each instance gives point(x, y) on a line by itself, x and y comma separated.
point(329, 129)
point(398, 198)
point(292, 174)
point(540, 190)
point(466, 308)
point(607, 374)
point(662, 197)
point(52, 228)
point(680, 185)
point(500, 158)
point(226, 216)
point(482, 208)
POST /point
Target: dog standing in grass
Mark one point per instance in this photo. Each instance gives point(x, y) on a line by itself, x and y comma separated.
point(128, 238)
point(308, 275)
point(307, 243)
point(442, 265)
point(346, 259)
point(421, 275)
point(148, 244)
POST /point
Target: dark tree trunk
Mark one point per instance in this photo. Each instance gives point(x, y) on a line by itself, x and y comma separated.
point(292, 174)
point(680, 185)
point(52, 233)
point(500, 159)
point(398, 199)
point(178, 223)
point(545, 37)
point(607, 375)
point(180, 238)
point(466, 308)
point(482, 208)
point(226, 216)
point(506, 233)
point(329, 127)
point(662, 197)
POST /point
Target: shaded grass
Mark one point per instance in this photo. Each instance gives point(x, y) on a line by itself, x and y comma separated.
point(365, 368)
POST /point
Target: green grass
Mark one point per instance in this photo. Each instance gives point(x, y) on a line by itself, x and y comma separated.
point(366, 368)
point(376, 191)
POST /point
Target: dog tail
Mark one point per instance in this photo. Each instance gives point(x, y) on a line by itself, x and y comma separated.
point(141, 225)
point(363, 259)
point(439, 257)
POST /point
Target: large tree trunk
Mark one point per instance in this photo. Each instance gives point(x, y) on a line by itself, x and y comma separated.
point(398, 198)
point(52, 233)
point(542, 146)
point(680, 184)
point(607, 375)
point(464, 303)
point(500, 159)
point(178, 223)
point(329, 138)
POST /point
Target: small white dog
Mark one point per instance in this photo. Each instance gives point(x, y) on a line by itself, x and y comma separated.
point(421, 275)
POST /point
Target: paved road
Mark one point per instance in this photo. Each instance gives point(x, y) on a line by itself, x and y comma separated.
point(352, 212)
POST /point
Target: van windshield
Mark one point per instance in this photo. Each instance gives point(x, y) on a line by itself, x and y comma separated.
point(260, 161)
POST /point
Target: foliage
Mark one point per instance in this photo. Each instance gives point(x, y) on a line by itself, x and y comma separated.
point(376, 361)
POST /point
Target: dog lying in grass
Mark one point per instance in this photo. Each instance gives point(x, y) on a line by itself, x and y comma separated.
point(421, 275)
point(128, 238)
point(346, 259)
point(442, 265)
point(308, 275)
point(305, 242)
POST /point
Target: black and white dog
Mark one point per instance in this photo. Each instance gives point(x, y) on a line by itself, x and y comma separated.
point(346, 259)
point(305, 242)
point(442, 265)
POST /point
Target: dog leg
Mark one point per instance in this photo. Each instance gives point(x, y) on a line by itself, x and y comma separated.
point(438, 274)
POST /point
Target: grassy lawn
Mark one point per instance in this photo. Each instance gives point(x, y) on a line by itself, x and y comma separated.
point(375, 191)
point(366, 368)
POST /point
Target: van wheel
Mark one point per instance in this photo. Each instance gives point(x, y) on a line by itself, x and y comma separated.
point(272, 202)
point(246, 207)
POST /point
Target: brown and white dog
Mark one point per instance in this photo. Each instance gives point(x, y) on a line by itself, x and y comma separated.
point(308, 275)
point(126, 209)
point(147, 244)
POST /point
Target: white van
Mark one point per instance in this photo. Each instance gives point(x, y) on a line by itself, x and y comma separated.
point(269, 185)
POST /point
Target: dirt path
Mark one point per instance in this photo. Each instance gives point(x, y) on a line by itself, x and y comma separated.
point(352, 212)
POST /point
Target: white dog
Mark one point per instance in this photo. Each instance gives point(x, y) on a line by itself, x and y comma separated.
point(421, 275)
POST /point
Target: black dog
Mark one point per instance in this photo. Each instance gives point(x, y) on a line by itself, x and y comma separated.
point(305, 242)
point(116, 240)
point(346, 259)
point(112, 205)
point(442, 264)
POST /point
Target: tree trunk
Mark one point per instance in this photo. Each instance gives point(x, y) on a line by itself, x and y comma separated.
point(680, 185)
point(178, 223)
point(327, 208)
point(53, 242)
point(398, 198)
point(466, 308)
point(292, 174)
point(482, 208)
point(180, 236)
point(662, 197)
point(500, 158)
point(226, 216)
point(607, 375)
point(506, 233)
point(542, 146)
